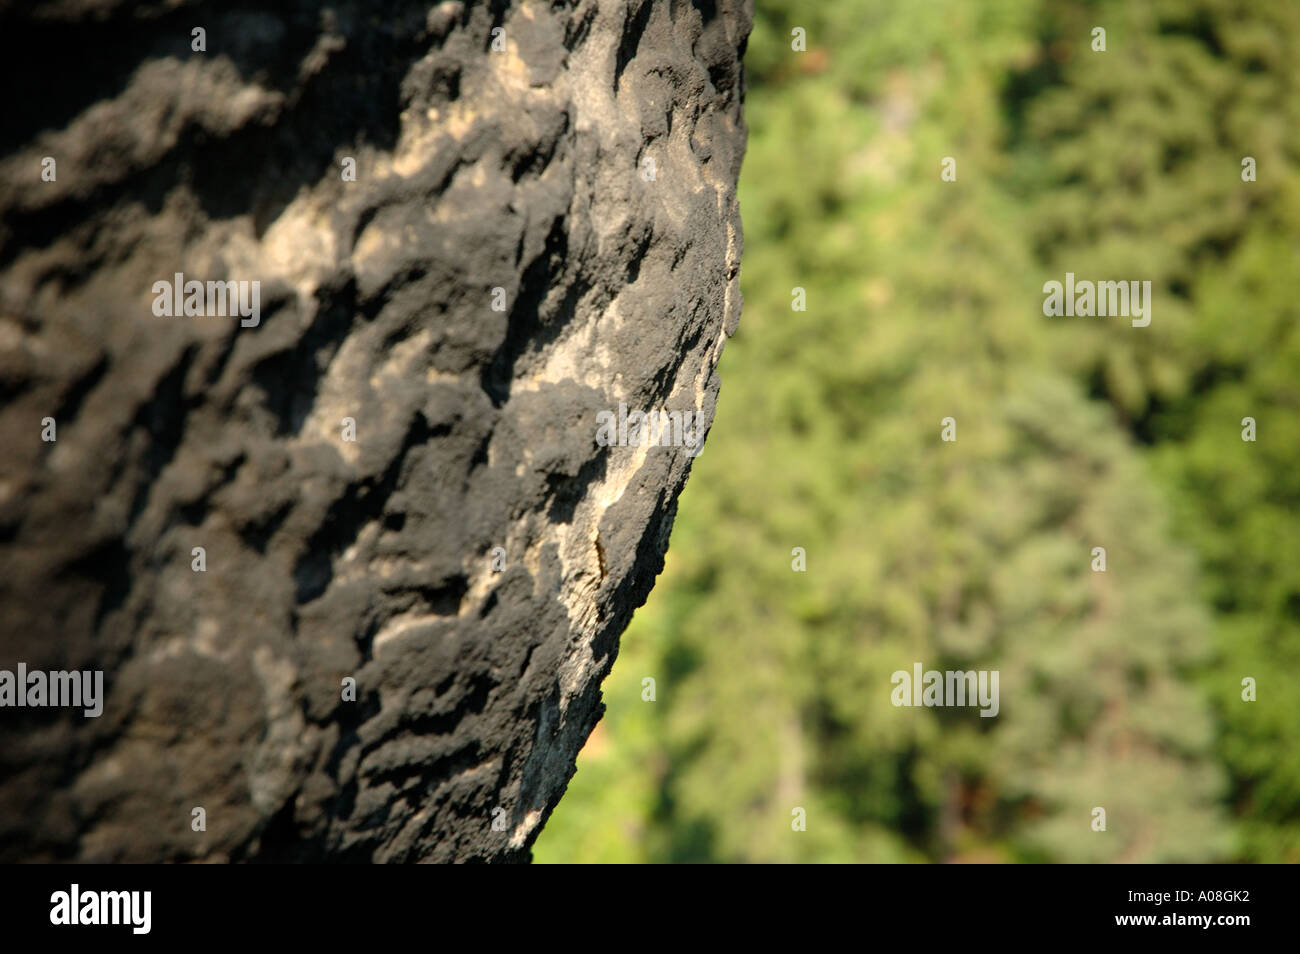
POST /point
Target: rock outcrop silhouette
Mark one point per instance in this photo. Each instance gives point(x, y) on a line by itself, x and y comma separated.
point(472, 228)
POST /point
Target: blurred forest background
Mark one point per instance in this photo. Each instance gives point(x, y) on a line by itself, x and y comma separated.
point(1120, 689)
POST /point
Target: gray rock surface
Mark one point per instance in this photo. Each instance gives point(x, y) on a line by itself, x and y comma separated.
point(522, 168)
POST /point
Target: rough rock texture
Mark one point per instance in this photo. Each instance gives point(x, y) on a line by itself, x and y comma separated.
point(520, 168)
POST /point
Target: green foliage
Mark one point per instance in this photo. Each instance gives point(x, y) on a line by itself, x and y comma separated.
point(1119, 689)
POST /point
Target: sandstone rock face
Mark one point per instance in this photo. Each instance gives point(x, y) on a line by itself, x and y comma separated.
point(542, 225)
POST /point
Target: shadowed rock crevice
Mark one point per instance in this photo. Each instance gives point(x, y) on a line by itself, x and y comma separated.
point(280, 540)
